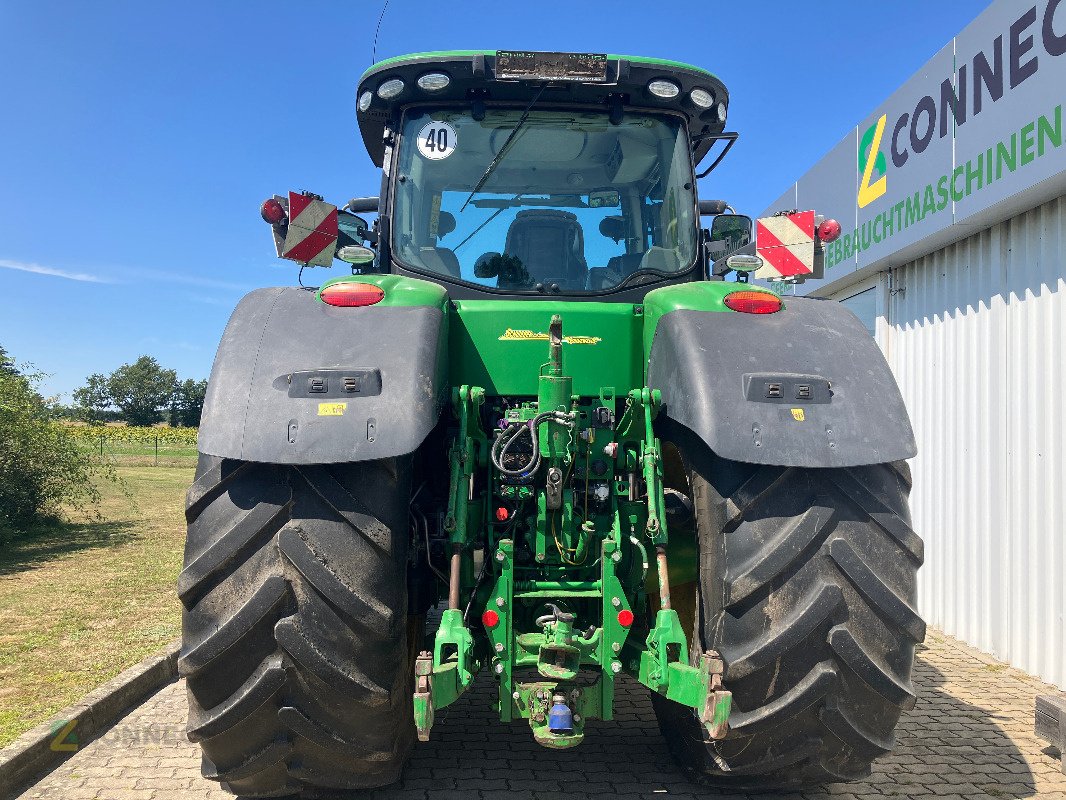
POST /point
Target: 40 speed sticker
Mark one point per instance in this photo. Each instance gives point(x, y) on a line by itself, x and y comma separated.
point(437, 140)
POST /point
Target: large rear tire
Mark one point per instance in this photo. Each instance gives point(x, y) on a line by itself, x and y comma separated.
point(807, 589)
point(295, 631)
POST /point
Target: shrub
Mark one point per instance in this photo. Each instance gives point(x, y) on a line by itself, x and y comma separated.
point(41, 465)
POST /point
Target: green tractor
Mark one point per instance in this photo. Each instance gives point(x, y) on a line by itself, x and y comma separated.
point(548, 412)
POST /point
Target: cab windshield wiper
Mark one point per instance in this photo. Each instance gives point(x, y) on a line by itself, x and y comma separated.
point(503, 150)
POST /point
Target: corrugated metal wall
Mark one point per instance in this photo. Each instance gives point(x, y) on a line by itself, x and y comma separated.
point(977, 339)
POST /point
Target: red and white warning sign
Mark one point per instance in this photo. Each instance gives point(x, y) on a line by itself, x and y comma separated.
point(786, 245)
point(311, 237)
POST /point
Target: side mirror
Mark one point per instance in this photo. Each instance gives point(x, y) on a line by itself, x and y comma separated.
point(352, 231)
point(734, 230)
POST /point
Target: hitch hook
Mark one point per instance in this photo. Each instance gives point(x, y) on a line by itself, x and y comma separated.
point(423, 696)
point(715, 715)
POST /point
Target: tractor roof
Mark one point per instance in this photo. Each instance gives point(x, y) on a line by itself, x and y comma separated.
point(488, 76)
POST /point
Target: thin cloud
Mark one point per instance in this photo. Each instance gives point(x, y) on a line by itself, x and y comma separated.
point(188, 280)
point(210, 300)
point(40, 269)
point(125, 275)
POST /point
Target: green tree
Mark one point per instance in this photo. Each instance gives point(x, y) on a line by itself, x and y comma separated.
point(41, 466)
point(142, 390)
point(141, 393)
point(187, 404)
point(94, 398)
point(7, 364)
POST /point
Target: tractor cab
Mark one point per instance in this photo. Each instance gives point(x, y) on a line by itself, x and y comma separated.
point(539, 173)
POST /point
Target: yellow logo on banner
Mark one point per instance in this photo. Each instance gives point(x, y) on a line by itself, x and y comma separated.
point(871, 159)
point(332, 409)
point(512, 335)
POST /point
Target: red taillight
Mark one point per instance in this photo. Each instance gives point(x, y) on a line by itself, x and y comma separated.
point(753, 302)
point(350, 293)
point(502, 514)
point(828, 231)
point(490, 619)
point(625, 617)
point(272, 211)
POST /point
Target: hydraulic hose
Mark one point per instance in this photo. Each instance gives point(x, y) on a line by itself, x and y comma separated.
point(508, 436)
point(643, 557)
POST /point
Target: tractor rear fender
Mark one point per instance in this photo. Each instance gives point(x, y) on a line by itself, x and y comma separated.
point(296, 381)
point(806, 386)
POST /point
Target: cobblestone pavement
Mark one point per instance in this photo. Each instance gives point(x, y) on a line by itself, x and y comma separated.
point(970, 736)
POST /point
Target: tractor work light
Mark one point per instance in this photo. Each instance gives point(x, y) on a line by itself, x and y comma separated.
point(720, 112)
point(701, 98)
point(753, 302)
point(390, 88)
point(744, 262)
point(433, 82)
point(350, 294)
point(272, 211)
point(364, 101)
point(663, 88)
point(356, 254)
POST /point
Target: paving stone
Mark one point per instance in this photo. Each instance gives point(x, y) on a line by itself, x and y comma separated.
point(969, 737)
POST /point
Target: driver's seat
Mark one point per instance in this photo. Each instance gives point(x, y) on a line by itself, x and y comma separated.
point(551, 246)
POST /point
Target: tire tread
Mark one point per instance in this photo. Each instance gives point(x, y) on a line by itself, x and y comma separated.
point(294, 646)
point(807, 584)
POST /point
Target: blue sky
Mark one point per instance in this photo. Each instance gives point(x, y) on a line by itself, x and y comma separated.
point(138, 139)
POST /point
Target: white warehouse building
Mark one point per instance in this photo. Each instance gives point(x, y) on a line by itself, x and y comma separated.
point(952, 200)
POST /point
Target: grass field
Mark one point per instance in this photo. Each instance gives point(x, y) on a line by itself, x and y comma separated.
point(164, 454)
point(82, 601)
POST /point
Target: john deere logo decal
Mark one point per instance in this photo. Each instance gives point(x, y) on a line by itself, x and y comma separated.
point(511, 335)
point(871, 162)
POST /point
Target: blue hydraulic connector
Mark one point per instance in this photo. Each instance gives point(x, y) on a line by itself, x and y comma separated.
point(560, 718)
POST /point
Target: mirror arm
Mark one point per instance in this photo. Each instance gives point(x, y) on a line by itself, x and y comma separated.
point(371, 236)
point(381, 231)
point(729, 139)
point(715, 270)
point(721, 266)
point(719, 269)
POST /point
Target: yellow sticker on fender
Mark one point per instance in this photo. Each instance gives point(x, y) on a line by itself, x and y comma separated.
point(331, 409)
point(797, 414)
